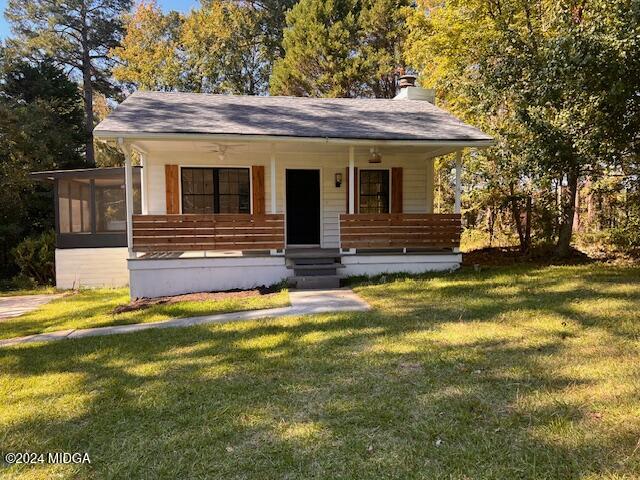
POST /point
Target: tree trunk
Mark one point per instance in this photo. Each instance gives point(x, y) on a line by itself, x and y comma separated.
point(491, 220)
point(87, 90)
point(527, 232)
point(577, 224)
point(515, 211)
point(88, 115)
point(591, 206)
point(566, 216)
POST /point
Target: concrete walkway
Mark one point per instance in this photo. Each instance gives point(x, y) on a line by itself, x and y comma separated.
point(20, 304)
point(303, 302)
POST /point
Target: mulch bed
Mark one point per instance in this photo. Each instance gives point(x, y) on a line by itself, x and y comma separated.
point(141, 303)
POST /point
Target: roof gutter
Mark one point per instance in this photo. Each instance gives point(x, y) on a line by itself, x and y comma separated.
point(109, 135)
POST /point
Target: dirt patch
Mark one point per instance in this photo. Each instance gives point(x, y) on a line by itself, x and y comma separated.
point(142, 303)
point(512, 256)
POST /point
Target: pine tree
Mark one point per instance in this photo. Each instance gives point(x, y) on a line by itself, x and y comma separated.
point(341, 48)
point(78, 35)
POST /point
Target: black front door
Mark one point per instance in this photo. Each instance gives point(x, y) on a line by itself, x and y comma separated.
point(303, 207)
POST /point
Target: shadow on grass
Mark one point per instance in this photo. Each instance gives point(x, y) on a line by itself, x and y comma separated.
point(392, 393)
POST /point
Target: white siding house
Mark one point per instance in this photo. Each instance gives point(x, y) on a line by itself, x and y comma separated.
point(243, 191)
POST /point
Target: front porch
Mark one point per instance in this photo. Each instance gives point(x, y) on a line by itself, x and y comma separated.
point(182, 253)
point(308, 214)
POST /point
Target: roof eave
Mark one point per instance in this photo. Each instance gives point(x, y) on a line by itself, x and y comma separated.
point(463, 143)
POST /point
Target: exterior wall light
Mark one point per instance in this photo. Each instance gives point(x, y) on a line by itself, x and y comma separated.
point(338, 180)
point(374, 156)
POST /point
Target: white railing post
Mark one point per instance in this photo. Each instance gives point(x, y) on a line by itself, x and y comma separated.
point(430, 184)
point(352, 195)
point(128, 184)
point(272, 181)
point(352, 181)
point(144, 183)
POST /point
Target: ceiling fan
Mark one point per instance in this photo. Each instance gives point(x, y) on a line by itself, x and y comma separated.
point(222, 148)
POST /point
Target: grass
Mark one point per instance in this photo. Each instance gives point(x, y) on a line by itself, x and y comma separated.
point(520, 372)
point(92, 308)
point(28, 291)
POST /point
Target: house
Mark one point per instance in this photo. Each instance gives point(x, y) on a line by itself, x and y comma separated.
point(239, 191)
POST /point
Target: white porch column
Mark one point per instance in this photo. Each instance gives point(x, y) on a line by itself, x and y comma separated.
point(272, 177)
point(352, 181)
point(430, 184)
point(128, 183)
point(458, 201)
point(144, 176)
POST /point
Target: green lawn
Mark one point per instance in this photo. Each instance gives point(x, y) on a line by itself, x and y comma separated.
point(93, 308)
point(510, 373)
point(30, 291)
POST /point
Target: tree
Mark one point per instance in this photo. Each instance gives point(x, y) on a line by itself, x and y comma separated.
point(148, 56)
point(341, 48)
point(221, 47)
point(562, 77)
point(41, 119)
point(225, 49)
point(77, 34)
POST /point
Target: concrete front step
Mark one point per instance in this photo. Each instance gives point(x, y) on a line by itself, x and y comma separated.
point(315, 266)
point(312, 260)
point(316, 270)
point(312, 253)
point(312, 282)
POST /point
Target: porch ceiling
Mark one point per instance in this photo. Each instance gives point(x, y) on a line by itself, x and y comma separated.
point(243, 147)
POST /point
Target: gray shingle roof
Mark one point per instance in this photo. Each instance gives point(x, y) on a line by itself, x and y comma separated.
point(342, 118)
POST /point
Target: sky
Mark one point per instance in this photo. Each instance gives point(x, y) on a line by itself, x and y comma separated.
point(179, 5)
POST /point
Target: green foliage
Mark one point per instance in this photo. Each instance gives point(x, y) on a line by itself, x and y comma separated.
point(627, 236)
point(555, 82)
point(41, 129)
point(78, 34)
point(222, 47)
point(35, 256)
point(341, 48)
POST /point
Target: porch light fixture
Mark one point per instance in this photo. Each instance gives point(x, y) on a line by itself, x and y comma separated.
point(338, 180)
point(374, 156)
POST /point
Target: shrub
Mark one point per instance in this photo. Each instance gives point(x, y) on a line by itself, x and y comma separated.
point(35, 256)
point(627, 236)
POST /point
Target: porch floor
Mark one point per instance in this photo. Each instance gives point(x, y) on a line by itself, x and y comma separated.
point(289, 252)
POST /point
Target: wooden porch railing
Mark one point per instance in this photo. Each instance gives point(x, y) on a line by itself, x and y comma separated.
point(178, 233)
point(400, 230)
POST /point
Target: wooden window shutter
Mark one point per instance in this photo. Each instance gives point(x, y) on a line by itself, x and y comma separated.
point(172, 188)
point(396, 190)
point(257, 180)
point(355, 196)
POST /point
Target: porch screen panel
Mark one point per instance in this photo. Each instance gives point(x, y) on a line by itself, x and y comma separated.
point(111, 206)
point(215, 190)
point(74, 207)
point(374, 191)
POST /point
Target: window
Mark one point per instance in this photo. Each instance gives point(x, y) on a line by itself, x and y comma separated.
point(374, 191)
point(215, 190)
point(74, 206)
